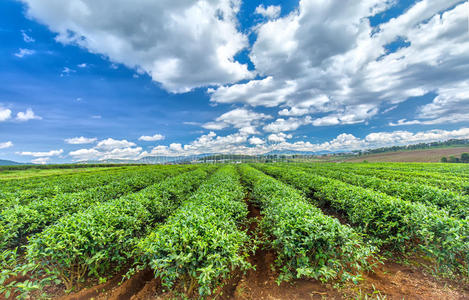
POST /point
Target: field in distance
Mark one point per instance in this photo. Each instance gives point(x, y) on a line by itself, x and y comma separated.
point(421, 155)
point(236, 231)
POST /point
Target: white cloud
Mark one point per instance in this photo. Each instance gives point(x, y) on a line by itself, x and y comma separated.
point(80, 140)
point(86, 154)
point(248, 130)
point(406, 137)
point(117, 153)
point(5, 114)
point(351, 115)
point(450, 106)
point(66, 71)
point(41, 154)
point(236, 143)
point(5, 145)
point(123, 153)
point(176, 147)
point(207, 143)
point(279, 137)
point(181, 44)
point(24, 52)
point(290, 124)
point(83, 65)
point(26, 37)
point(389, 109)
point(27, 115)
point(215, 125)
point(40, 160)
point(111, 144)
point(264, 92)
point(256, 141)
point(155, 137)
point(404, 122)
point(108, 149)
point(271, 11)
point(238, 118)
point(326, 58)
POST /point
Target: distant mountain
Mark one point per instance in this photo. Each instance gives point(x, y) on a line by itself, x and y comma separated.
point(9, 163)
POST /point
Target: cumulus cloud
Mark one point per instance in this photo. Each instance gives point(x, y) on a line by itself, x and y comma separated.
point(256, 141)
point(117, 153)
point(41, 154)
point(152, 138)
point(207, 143)
point(40, 160)
point(180, 44)
point(290, 124)
point(5, 145)
point(240, 118)
point(24, 52)
point(111, 144)
point(350, 115)
point(108, 149)
point(237, 143)
point(80, 140)
point(279, 137)
point(271, 11)
point(5, 114)
point(86, 154)
point(27, 115)
point(263, 92)
point(326, 58)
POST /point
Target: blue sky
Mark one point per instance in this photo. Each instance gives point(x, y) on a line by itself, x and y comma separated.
point(112, 79)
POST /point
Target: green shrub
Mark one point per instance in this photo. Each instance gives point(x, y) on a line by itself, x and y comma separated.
point(202, 243)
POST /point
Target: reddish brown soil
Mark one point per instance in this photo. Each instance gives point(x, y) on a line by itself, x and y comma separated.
point(390, 281)
point(424, 155)
point(260, 283)
point(400, 282)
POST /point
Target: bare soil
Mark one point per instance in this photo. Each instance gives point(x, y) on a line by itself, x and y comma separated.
point(424, 155)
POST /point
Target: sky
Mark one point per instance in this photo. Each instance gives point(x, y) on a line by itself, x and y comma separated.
point(99, 79)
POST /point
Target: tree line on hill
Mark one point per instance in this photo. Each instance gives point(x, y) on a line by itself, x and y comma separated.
point(451, 142)
point(453, 159)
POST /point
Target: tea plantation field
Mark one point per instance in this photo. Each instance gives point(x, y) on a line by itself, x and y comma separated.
point(237, 231)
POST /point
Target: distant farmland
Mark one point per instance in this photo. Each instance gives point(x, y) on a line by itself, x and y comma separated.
point(424, 155)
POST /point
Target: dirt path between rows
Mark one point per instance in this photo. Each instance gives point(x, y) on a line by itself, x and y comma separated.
point(261, 282)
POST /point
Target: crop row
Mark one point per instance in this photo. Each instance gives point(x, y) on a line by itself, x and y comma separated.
point(448, 169)
point(100, 240)
point(19, 222)
point(414, 172)
point(203, 242)
point(458, 186)
point(37, 182)
point(307, 242)
point(452, 202)
point(20, 193)
point(393, 223)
